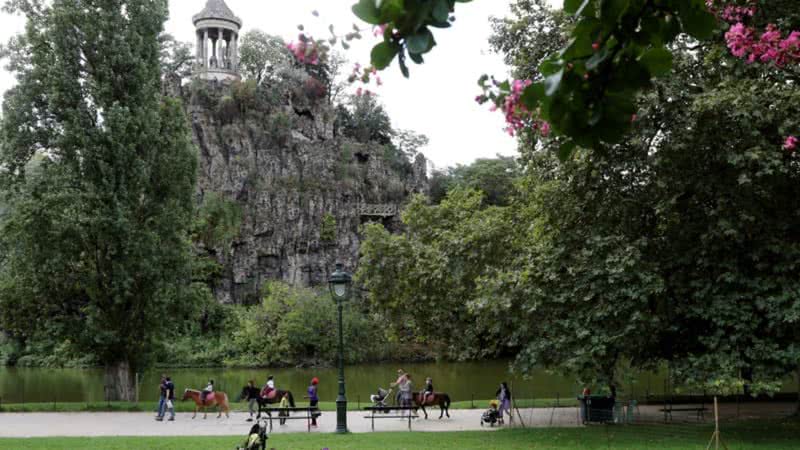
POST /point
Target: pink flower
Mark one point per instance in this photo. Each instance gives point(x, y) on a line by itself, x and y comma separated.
point(544, 128)
point(743, 43)
point(380, 30)
point(791, 143)
point(359, 92)
point(739, 39)
point(305, 50)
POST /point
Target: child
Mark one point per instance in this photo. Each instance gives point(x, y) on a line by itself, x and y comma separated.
point(269, 388)
point(491, 416)
point(285, 406)
point(208, 390)
point(428, 391)
point(254, 440)
point(313, 400)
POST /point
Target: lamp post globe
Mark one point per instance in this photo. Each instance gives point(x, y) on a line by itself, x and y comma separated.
point(340, 283)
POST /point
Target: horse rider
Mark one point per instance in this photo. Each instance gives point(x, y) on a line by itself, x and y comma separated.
point(427, 391)
point(269, 387)
point(208, 390)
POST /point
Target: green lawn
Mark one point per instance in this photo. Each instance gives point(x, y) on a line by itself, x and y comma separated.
point(752, 435)
point(189, 406)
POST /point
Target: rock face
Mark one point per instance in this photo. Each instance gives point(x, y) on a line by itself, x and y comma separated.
point(301, 188)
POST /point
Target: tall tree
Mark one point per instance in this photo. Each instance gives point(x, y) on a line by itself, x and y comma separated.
point(98, 248)
point(263, 55)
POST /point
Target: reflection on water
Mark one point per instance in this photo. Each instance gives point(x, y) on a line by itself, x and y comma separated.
point(463, 381)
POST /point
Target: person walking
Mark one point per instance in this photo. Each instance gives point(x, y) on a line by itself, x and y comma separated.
point(170, 403)
point(504, 397)
point(251, 396)
point(401, 378)
point(284, 405)
point(162, 398)
point(313, 400)
point(406, 392)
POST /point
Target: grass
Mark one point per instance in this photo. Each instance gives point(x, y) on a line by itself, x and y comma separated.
point(749, 435)
point(188, 406)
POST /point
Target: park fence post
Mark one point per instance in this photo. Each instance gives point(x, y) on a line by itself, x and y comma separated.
point(716, 439)
point(472, 402)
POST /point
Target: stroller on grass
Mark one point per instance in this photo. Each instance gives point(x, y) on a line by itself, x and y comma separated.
point(491, 415)
point(256, 438)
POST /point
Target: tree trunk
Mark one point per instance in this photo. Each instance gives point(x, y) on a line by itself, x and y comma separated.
point(120, 382)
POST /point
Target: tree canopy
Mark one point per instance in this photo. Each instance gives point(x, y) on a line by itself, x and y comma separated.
point(96, 243)
point(676, 246)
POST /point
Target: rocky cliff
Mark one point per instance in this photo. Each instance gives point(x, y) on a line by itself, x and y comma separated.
point(302, 188)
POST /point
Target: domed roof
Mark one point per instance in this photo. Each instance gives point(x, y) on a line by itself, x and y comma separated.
point(217, 9)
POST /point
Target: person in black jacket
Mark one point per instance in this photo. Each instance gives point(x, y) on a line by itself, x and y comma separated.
point(251, 396)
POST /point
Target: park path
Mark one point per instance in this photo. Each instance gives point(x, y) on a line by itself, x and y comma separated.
point(29, 425)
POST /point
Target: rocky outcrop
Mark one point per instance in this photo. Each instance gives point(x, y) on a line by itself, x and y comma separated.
point(273, 150)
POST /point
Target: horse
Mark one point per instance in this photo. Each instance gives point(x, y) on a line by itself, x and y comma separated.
point(439, 399)
point(216, 398)
point(265, 401)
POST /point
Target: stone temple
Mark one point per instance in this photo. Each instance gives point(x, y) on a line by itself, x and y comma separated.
point(217, 42)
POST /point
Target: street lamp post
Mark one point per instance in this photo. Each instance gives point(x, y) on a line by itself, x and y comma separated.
point(340, 283)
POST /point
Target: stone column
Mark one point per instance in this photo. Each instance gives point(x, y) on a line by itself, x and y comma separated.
point(205, 48)
point(198, 46)
point(235, 55)
point(221, 53)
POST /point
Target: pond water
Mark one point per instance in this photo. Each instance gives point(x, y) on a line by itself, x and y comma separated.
point(462, 381)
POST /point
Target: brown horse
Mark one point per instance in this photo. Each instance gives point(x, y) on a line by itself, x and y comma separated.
point(264, 402)
point(439, 399)
point(217, 398)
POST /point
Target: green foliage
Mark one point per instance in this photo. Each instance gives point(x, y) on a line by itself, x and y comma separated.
point(217, 221)
point(263, 56)
point(328, 228)
point(296, 326)
point(412, 20)
point(673, 247)
point(98, 244)
point(176, 58)
point(424, 280)
point(494, 177)
point(587, 90)
point(365, 120)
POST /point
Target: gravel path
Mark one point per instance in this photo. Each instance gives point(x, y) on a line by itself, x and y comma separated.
point(25, 425)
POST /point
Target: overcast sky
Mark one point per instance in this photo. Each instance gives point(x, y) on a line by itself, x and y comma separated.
point(437, 101)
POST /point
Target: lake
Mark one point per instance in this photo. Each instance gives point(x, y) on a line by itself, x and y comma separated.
point(461, 380)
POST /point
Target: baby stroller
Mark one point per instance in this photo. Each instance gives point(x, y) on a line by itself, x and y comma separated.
point(380, 400)
point(491, 415)
point(257, 437)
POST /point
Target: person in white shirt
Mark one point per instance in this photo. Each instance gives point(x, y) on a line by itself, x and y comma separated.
point(269, 388)
point(209, 389)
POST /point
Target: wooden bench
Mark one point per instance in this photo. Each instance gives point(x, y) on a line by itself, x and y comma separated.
point(668, 409)
point(385, 413)
point(310, 413)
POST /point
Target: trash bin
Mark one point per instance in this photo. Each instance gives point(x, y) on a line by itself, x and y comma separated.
point(597, 409)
